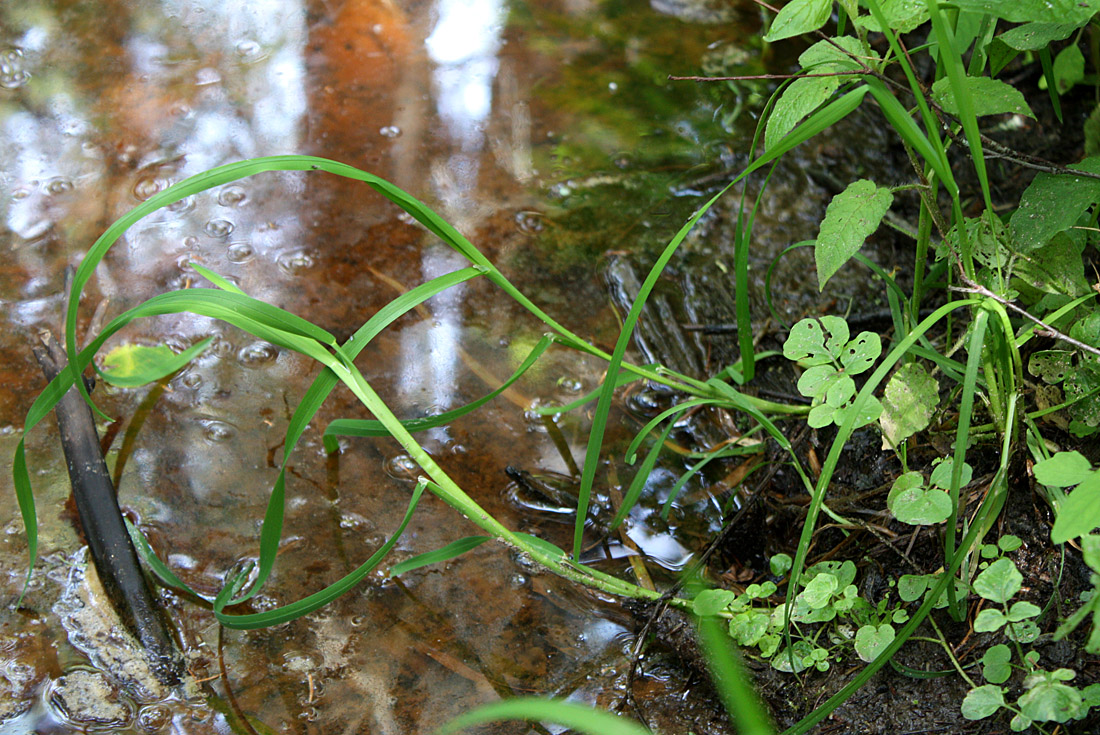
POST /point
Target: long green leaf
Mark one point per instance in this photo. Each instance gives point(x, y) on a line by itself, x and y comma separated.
point(371, 427)
point(448, 552)
point(533, 709)
point(951, 58)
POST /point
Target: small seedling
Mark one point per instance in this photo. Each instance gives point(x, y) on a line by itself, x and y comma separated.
point(831, 359)
point(912, 502)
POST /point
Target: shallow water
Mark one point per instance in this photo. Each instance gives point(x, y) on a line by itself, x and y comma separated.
point(545, 132)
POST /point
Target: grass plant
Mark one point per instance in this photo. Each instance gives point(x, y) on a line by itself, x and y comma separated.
point(989, 263)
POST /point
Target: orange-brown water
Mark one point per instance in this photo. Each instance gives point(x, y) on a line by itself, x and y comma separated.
point(500, 116)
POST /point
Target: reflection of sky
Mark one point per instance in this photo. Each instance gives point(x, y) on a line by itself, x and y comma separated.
point(463, 46)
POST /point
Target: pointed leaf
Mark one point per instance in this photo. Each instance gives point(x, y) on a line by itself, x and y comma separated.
point(850, 218)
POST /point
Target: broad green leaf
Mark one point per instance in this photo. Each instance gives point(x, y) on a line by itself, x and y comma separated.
point(448, 552)
point(1069, 68)
point(868, 413)
point(131, 365)
point(749, 627)
point(859, 354)
point(712, 602)
point(999, 582)
point(1052, 203)
point(1055, 268)
point(797, 17)
point(912, 503)
point(989, 620)
point(1079, 513)
point(577, 717)
point(805, 95)
point(819, 590)
point(908, 403)
point(1038, 11)
point(941, 474)
point(816, 341)
point(1092, 133)
point(1022, 610)
point(902, 15)
point(1034, 36)
point(1049, 700)
point(850, 218)
point(995, 667)
point(989, 96)
point(1064, 469)
point(912, 586)
point(983, 701)
point(1052, 366)
point(871, 640)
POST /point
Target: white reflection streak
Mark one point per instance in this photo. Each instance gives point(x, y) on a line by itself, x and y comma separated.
point(464, 46)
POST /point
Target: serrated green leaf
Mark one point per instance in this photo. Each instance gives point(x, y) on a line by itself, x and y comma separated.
point(797, 17)
point(1038, 11)
point(1064, 469)
point(1079, 513)
point(902, 16)
point(989, 96)
point(1034, 36)
point(805, 95)
point(908, 403)
point(850, 218)
point(1052, 203)
point(999, 582)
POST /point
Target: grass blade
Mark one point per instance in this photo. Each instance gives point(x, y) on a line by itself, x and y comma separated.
point(448, 552)
point(534, 709)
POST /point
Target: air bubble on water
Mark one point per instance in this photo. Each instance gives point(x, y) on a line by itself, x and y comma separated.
point(181, 205)
point(258, 354)
point(21, 192)
point(529, 222)
point(390, 131)
point(153, 718)
point(218, 228)
point(12, 73)
point(239, 252)
point(148, 186)
point(402, 467)
point(232, 196)
point(407, 219)
point(570, 385)
point(59, 185)
point(248, 49)
point(294, 262)
point(216, 431)
point(192, 380)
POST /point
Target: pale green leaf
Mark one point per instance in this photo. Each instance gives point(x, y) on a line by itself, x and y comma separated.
point(902, 15)
point(999, 582)
point(712, 602)
point(131, 365)
point(989, 97)
point(850, 218)
point(1039, 11)
point(1079, 513)
point(908, 403)
point(1064, 469)
point(871, 640)
point(799, 16)
point(983, 701)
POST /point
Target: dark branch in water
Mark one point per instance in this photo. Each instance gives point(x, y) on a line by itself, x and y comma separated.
point(104, 530)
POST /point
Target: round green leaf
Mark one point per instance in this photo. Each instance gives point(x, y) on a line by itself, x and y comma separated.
point(871, 640)
point(983, 701)
point(999, 582)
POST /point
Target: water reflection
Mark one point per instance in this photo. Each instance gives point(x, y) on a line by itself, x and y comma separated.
point(103, 105)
